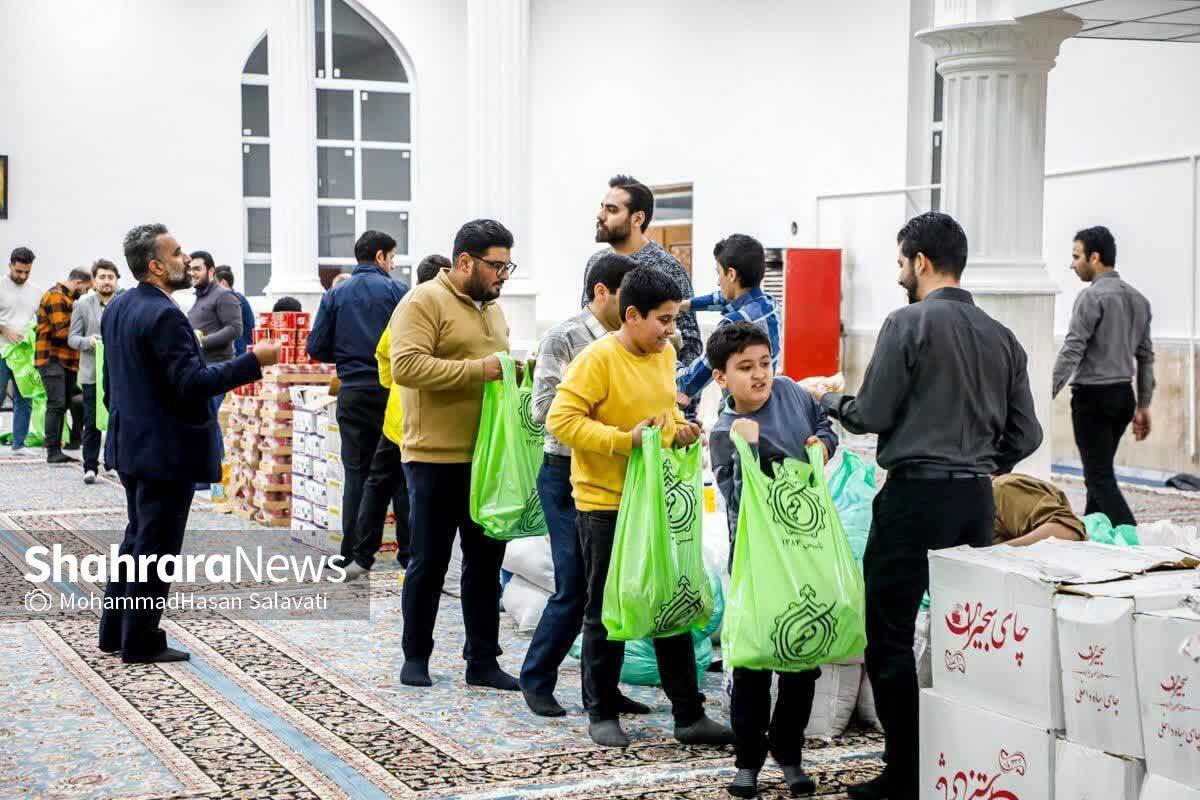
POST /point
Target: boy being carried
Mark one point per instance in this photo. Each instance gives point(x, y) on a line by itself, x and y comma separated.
point(778, 420)
point(615, 388)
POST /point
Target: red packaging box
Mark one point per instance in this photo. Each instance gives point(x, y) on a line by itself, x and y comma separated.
point(263, 335)
point(287, 355)
point(289, 320)
point(264, 319)
point(302, 356)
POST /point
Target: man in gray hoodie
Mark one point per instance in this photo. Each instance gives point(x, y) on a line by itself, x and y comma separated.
point(83, 335)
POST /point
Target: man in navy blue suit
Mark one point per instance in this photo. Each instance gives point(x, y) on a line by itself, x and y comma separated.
point(162, 432)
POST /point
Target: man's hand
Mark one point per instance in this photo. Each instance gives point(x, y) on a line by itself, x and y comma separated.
point(649, 422)
point(1141, 424)
point(682, 400)
point(817, 440)
point(267, 353)
point(491, 368)
point(688, 434)
point(12, 335)
point(747, 429)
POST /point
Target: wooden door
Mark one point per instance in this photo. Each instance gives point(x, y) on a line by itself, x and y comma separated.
point(676, 240)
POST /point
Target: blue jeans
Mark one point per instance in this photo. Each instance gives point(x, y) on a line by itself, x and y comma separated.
point(563, 617)
point(22, 406)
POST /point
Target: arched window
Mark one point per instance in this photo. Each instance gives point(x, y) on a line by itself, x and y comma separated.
point(364, 145)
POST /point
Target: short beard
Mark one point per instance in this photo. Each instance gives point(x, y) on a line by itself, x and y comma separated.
point(479, 291)
point(606, 236)
point(184, 281)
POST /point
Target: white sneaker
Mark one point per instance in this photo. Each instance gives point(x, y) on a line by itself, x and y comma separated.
point(355, 571)
point(89, 477)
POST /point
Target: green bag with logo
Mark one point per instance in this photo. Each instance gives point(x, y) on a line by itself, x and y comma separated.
point(508, 454)
point(19, 358)
point(656, 584)
point(796, 593)
point(101, 408)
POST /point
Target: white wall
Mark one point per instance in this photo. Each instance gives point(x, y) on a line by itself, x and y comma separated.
point(760, 103)
point(117, 114)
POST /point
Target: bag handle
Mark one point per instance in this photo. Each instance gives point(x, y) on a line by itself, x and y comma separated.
point(508, 369)
point(816, 460)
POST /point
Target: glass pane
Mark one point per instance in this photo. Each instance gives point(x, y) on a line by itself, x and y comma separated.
point(335, 114)
point(328, 273)
point(939, 90)
point(403, 273)
point(335, 232)
point(258, 230)
point(255, 278)
point(386, 117)
point(672, 207)
point(255, 116)
point(256, 170)
point(335, 172)
point(319, 19)
point(387, 174)
point(394, 223)
point(256, 64)
point(360, 51)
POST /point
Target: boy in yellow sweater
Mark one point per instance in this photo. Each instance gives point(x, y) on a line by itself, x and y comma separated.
point(615, 388)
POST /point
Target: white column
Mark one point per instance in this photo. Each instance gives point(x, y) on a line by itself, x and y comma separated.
point(293, 110)
point(498, 140)
point(993, 174)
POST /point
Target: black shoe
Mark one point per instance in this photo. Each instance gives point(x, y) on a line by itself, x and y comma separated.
point(608, 733)
point(494, 678)
point(415, 673)
point(627, 705)
point(165, 656)
point(544, 705)
point(59, 457)
point(71, 446)
point(798, 782)
point(874, 789)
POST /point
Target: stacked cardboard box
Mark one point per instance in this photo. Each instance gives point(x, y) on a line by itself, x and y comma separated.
point(1036, 672)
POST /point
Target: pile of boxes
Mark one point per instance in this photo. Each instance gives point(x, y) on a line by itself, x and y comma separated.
point(1058, 674)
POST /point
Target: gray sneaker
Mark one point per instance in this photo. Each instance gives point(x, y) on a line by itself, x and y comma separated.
point(89, 477)
point(355, 571)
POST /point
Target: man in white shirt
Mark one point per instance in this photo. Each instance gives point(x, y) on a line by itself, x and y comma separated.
point(18, 306)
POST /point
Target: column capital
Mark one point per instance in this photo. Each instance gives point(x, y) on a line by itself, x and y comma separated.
point(1027, 44)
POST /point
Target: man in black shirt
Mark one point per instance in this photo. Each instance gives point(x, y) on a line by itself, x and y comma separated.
point(948, 394)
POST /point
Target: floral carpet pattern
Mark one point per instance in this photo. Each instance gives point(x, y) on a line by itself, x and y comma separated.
point(283, 709)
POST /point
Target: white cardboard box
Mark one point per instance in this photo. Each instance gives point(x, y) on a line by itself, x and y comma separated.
point(1169, 694)
point(1081, 773)
point(1095, 645)
point(1157, 787)
point(993, 631)
point(968, 752)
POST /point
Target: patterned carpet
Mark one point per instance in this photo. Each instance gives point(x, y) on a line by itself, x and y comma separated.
point(282, 709)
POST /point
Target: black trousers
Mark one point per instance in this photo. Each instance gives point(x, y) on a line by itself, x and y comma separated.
point(1100, 415)
point(911, 517)
point(601, 658)
point(91, 434)
point(385, 484)
point(61, 392)
point(158, 513)
point(756, 729)
point(438, 495)
point(360, 412)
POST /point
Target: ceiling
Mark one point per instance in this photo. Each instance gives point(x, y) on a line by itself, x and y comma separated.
point(1153, 20)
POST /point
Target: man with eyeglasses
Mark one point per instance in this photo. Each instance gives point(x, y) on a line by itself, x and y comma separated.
point(443, 350)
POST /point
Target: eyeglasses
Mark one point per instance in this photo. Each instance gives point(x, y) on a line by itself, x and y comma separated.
point(501, 267)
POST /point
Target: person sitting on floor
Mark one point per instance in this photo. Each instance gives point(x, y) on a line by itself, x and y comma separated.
point(1029, 510)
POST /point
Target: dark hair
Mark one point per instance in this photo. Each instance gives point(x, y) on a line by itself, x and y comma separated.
point(370, 243)
point(80, 274)
point(21, 255)
point(744, 255)
point(287, 304)
point(224, 273)
point(104, 263)
point(939, 237)
point(609, 269)
point(141, 247)
point(478, 235)
point(206, 257)
point(430, 266)
point(1098, 240)
point(729, 340)
point(640, 196)
point(646, 289)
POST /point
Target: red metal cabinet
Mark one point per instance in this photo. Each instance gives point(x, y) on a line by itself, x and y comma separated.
point(812, 312)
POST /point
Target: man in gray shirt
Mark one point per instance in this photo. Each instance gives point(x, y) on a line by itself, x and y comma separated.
point(1109, 334)
point(84, 333)
point(563, 618)
point(948, 393)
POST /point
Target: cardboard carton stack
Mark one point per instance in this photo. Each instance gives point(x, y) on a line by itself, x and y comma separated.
point(1039, 656)
point(258, 438)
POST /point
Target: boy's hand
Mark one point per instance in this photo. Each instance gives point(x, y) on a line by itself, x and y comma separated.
point(682, 400)
point(686, 305)
point(747, 429)
point(686, 435)
point(650, 422)
point(814, 440)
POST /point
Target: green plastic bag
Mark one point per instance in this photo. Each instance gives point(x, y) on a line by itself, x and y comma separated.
point(101, 407)
point(656, 584)
point(853, 488)
point(1100, 529)
point(19, 358)
point(796, 595)
point(508, 454)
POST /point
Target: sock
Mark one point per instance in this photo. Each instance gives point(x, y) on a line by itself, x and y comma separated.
point(746, 777)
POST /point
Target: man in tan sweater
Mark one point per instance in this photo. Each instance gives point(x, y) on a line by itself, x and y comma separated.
point(445, 337)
